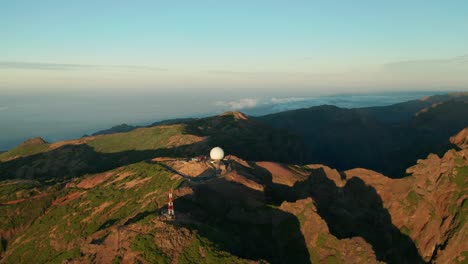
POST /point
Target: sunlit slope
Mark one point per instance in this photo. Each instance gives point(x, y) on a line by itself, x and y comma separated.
point(73, 158)
point(104, 217)
point(257, 212)
point(139, 139)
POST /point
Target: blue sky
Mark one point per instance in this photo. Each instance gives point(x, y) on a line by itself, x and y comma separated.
point(313, 46)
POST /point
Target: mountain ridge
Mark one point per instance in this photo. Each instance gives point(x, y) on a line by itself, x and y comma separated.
point(314, 213)
point(338, 137)
point(102, 199)
point(386, 139)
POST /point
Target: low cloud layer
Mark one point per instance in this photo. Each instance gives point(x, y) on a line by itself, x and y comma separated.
point(265, 106)
point(250, 103)
point(275, 100)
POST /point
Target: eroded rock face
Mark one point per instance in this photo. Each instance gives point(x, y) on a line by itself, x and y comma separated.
point(461, 139)
point(419, 218)
point(322, 245)
point(430, 204)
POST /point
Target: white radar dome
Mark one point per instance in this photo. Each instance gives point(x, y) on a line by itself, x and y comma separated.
point(217, 153)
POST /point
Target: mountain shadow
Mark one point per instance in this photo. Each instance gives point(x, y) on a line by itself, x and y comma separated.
point(354, 210)
point(385, 139)
point(237, 220)
point(71, 161)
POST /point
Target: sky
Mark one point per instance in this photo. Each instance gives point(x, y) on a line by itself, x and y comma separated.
point(247, 48)
point(73, 67)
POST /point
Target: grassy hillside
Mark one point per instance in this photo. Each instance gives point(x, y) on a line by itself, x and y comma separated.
point(103, 217)
point(23, 151)
point(74, 158)
point(139, 139)
point(21, 201)
point(64, 160)
point(78, 213)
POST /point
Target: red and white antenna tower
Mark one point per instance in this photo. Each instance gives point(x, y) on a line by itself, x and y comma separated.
point(170, 205)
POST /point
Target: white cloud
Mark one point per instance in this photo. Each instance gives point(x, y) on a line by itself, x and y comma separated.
point(248, 103)
point(244, 103)
point(275, 100)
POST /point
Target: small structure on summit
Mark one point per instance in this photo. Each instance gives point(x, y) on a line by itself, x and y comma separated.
point(170, 207)
point(217, 154)
point(200, 158)
point(168, 215)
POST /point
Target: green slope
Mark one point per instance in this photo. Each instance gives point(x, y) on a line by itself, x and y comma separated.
point(68, 159)
point(57, 234)
point(139, 139)
point(23, 151)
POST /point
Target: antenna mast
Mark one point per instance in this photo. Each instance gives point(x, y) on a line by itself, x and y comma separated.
point(170, 206)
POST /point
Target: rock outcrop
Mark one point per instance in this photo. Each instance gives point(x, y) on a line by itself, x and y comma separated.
point(461, 139)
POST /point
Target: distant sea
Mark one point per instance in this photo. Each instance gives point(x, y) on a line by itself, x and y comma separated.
point(59, 117)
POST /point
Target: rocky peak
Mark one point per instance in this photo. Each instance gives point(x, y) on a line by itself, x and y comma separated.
point(34, 141)
point(461, 139)
point(236, 114)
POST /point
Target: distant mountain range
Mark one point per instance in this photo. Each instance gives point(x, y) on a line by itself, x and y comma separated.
point(275, 199)
point(386, 139)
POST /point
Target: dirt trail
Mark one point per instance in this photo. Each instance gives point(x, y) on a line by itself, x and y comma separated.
point(25, 199)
